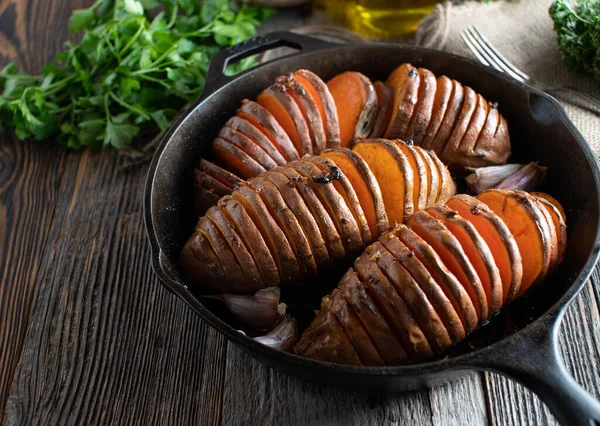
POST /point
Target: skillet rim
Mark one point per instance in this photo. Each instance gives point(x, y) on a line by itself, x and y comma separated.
point(475, 359)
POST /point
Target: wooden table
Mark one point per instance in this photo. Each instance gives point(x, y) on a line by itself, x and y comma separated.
point(89, 336)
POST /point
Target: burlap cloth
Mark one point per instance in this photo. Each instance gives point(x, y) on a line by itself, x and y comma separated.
point(523, 32)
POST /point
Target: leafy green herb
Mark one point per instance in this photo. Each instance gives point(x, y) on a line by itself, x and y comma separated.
point(577, 24)
point(138, 63)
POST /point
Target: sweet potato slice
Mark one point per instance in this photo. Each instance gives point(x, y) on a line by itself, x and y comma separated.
point(488, 131)
point(326, 340)
point(394, 175)
point(288, 223)
point(422, 292)
point(275, 238)
point(333, 240)
point(235, 160)
point(432, 175)
point(247, 145)
point(452, 288)
point(430, 327)
point(259, 138)
point(382, 336)
point(447, 184)
point(385, 102)
point(208, 182)
point(443, 93)
point(304, 216)
point(450, 118)
point(235, 280)
point(450, 153)
point(346, 190)
point(474, 130)
point(445, 244)
point(552, 234)
point(356, 104)
point(252, 239)
point(225, 177)
point(358, 336)
point(553, 201)
point(200, 264)
point(309, 110)
point(204, 199)
point(490, 152)
point(420, 184)
point(477, 252)
point(264, 121)
point(365, 185)
point(527, 225)
point(282, 106)
point(237, 246)
point(424, 107)
point(391, 305)
point(405, 81)
point(496, 234)
point(335, 204)
point(325, 102)
point(559, 224)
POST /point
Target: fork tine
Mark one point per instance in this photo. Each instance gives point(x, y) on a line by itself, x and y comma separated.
point(473, 49)
point(473, 44)
point(490, 47)
point(490, 56)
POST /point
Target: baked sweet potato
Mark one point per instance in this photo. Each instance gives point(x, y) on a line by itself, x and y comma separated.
point(529, 228)
point(477, 252)
point(453, 111)
point(555, 209)
point(365, 185)
point(259, 138)
point(445, 244)
point(225, 177)
point(449, 155)
point(250, 148)
point(443, 93)
point(333, 240)
point(394, 176)
point(235, 159)
point(282, 106)
point(385, 103)
point(499, 239)
point(405, 81)
point(356, 104)
point(552, 201)
point(420, 184)
point(325, 102)
point(264, 121)
point(424, 107)
point(432, 175)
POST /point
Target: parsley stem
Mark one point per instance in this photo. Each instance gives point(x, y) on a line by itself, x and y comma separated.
point(129, 107)
point(135, 37)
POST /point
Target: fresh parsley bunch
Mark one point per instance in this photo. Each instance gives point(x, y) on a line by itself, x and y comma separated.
point(133, 70)
point(577, 24)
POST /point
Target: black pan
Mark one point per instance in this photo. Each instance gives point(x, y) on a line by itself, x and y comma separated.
point(520, 342)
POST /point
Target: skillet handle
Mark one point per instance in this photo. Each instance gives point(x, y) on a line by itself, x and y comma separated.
point(216, 77)
point(534, 361)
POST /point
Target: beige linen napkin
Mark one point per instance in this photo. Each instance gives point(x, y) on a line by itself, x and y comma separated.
point(523, 32)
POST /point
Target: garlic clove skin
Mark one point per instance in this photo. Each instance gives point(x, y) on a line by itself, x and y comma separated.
point(259, 312)
point(283, 337)
point(484, 178)
point(527, 178)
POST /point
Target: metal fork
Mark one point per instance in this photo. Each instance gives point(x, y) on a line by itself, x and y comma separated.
point(489, 55)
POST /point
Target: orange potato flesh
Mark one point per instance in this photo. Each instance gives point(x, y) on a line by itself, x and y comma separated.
point(235, 160)
point(283, 117)
point(526, 232)
point(349, 93)
point(312, 92)
point(420, 177)
point(558, 221)
point(389, 175)
point(363, 192)
point(553, 201)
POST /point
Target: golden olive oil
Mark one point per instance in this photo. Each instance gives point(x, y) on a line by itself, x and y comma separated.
point(378, 19)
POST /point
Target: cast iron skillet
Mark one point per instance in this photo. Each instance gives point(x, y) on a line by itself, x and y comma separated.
point(521, 342)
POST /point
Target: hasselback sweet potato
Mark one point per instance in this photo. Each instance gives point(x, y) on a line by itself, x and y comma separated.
point(314, 212)
point(421, 316)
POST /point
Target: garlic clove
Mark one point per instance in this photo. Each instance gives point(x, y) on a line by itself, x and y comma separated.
point(484, 178)
point(527, 178)
point(283, 337)
point(260, 312)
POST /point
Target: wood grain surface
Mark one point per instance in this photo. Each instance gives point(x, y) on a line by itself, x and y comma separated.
point(89, 336)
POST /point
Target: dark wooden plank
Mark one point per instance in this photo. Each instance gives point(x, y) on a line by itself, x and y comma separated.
point(107, 343)
point(30, 174)
point(512, 404)
point(255, 394)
